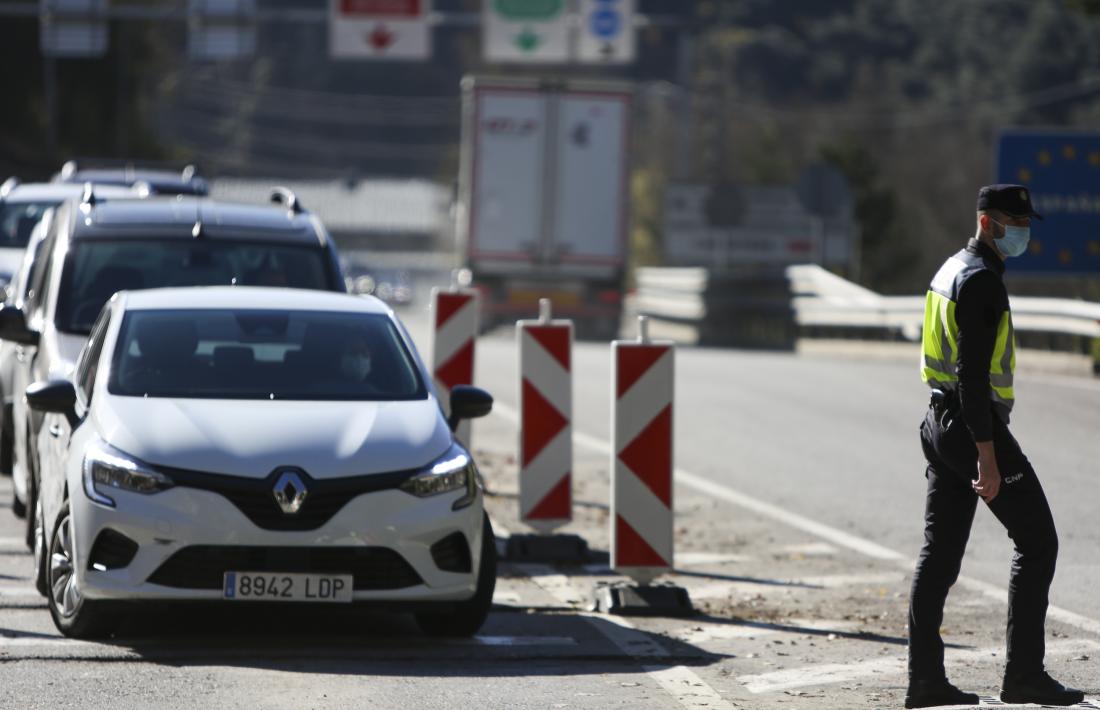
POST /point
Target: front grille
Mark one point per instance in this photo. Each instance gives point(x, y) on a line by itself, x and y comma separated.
point(111, 550)
point(204, 566)
point(255, 497)
point(452, 554)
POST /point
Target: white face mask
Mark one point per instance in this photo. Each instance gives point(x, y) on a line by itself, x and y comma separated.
point(355, 366)
point(1014, 242)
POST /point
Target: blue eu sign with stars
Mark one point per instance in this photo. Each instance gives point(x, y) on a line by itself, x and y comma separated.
point(1062, 170)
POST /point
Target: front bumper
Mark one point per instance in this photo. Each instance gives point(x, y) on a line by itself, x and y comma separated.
point(184, 535)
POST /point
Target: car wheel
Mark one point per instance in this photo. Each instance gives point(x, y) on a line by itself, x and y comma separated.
point(28, 517)
point(465, 618)
point(73, 615)
point(7, 444)
point(40, 550)
point(17, 506)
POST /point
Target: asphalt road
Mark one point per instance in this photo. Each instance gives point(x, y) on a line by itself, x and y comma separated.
point(783, 615)
point(835, 439)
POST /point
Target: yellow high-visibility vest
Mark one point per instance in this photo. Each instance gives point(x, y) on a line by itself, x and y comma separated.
point(940, 340)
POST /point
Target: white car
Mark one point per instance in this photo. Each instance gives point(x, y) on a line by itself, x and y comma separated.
point(259, 445)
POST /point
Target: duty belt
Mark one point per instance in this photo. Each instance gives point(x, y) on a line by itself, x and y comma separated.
point(945, 404)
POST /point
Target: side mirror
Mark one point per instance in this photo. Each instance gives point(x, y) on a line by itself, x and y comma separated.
point(57, 396)
point(468, 402)
point(13, 326)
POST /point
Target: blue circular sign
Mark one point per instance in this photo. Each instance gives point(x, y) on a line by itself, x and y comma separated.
point(606, 23)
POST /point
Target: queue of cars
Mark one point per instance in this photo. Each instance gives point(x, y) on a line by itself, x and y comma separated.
point(200, 412)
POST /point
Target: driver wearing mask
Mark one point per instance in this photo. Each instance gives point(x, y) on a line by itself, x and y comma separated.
point(355, 362)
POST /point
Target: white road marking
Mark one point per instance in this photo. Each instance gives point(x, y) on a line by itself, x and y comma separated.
point(834, 673)
point(678, 681)
point(723, 590)
point(686, 687)
point(691, 559)
point(16, 542)
point(54, 641)
point(836, 581)
point(811, 549)
point(27, 591)
point(800, 522)
point(50, 641)
point(515, 641)
point(820, 530)
point(701, 633)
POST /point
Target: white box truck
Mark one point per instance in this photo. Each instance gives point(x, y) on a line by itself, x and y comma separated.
point(543, 203)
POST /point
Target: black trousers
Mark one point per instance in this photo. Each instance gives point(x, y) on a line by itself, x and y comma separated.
point(1020, 506)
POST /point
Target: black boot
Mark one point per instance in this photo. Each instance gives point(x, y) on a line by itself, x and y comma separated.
point(1038, 688)
point(930, 693)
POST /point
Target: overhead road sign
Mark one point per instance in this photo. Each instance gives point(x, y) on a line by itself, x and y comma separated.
point(1062, 171)
point(380, 29)
point(606, 32)
point(222, 29)
point(530, 31)
point(73, 28)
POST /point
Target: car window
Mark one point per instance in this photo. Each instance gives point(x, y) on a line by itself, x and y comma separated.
point(96, 269)
point(17, 219)
point(88, 362)
point(36, 281)
point(263, 354)
point(32, 259)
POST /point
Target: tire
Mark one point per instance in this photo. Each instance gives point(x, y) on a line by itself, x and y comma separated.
point(40, 557)
point(7, 445)
point(465, 618)
point(18, 507)
point(28, 517)
point(73, 615)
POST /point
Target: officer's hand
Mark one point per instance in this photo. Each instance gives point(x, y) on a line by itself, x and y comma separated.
point(989, 476)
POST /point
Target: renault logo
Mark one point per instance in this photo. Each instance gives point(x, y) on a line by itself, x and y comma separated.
point(290, 492)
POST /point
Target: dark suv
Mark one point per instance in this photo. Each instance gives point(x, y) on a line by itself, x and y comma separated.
point(151, 181)
point(94, 248)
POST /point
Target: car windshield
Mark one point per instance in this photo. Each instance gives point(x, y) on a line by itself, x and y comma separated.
point(262, 354)
point(17, 219)
point(97, 269)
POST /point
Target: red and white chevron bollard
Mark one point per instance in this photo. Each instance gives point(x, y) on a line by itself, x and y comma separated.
point(641, 457)
point(454, 333)
point(546, 420)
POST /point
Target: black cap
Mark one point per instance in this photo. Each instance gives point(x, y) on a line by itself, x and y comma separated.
point(1013, 200)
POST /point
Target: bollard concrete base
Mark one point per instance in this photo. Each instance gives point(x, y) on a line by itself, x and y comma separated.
point(629, 599)
point(546, 548)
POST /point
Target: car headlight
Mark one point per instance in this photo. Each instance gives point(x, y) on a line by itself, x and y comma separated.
point(453, 471)
point(107, 468)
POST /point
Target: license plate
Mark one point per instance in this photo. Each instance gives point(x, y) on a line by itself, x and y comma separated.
point(287, 587)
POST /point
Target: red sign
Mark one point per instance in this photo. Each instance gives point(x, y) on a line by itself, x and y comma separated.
point(388, 8)
point(381, 38)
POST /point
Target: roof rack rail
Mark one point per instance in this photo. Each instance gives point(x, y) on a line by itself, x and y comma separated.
point(69, 169)
point(189, 172)
point(9, 185)
point(285, 196)
point(88, 196)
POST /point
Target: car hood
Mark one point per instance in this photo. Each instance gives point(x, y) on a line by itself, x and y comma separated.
point(251, 438)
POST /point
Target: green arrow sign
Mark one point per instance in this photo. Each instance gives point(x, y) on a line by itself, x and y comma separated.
point(528, 9)
point(528, 40)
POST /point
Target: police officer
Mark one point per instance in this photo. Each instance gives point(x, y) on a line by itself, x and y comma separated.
point(968, 360)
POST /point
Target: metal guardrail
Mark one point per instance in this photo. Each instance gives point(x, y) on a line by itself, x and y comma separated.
point(824, 299)
point(772, 307)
